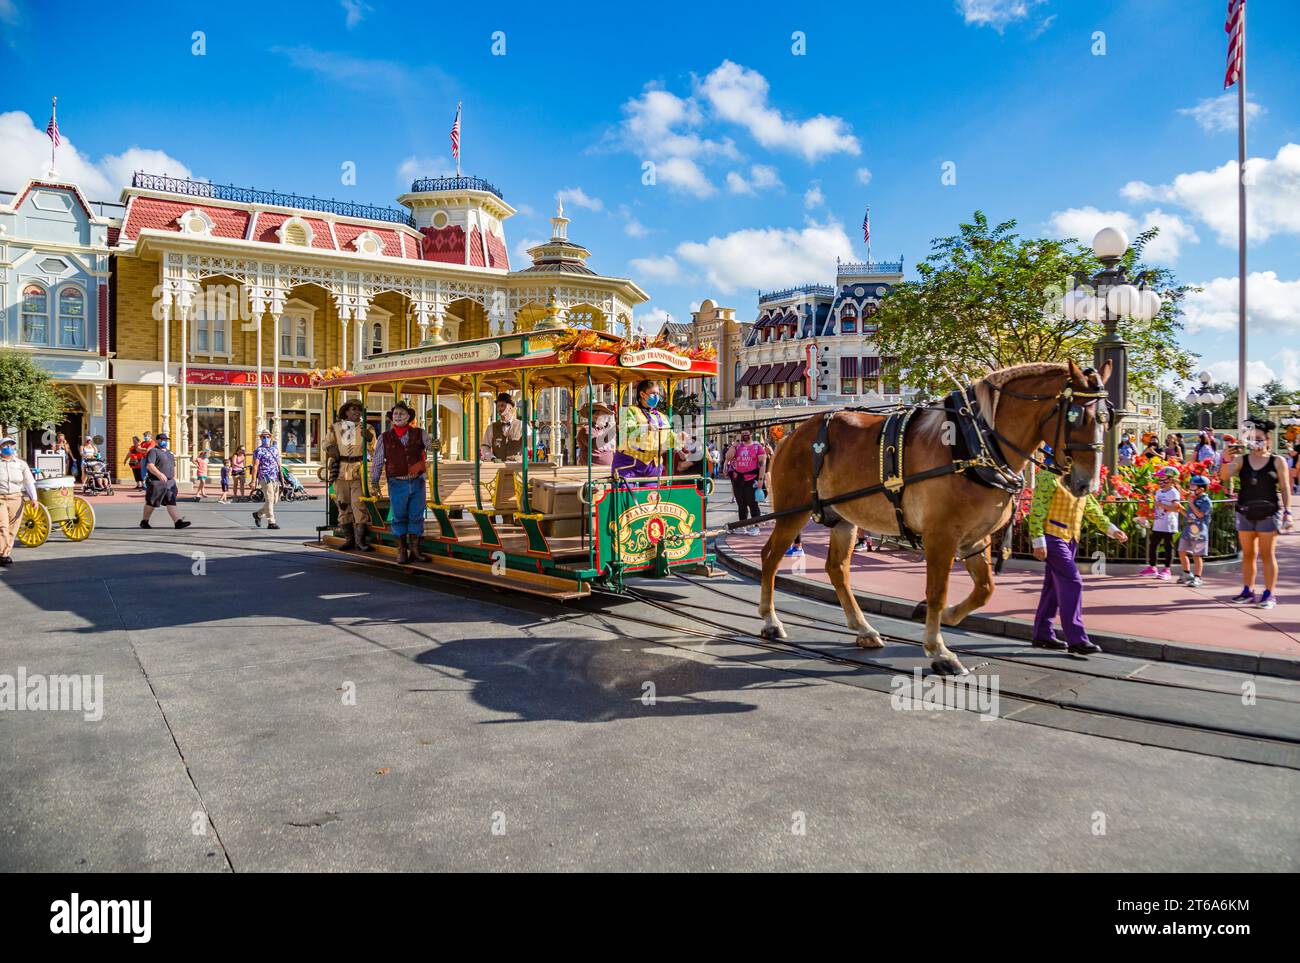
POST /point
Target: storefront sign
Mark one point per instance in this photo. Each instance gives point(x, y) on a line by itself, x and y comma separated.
point(637, 359)
point(430, 358)
point(230, 376)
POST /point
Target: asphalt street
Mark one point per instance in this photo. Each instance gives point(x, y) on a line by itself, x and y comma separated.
point(267, 706)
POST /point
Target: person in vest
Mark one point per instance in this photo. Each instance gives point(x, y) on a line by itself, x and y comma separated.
point(345, 446)
point(16, 482)
point(401, 454)
point(1263, 507)
point(504, 438)
point(1055, 520)
point(602, 433)
point(646, 435)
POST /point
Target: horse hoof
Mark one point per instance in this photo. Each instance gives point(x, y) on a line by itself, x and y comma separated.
point(870, 641)
point(772, 632)
point(918, 613)
point(948, 666)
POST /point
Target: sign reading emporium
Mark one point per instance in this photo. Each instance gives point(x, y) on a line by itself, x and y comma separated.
point(637, 359)
point(429, 358)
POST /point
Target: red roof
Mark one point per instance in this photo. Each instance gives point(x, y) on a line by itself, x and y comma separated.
point(156, 214)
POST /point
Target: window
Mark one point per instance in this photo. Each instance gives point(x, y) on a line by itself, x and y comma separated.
point(211, 325)
point(295, 341)
point(848, 322)
point(72, 318)
point(869, 326)
point(848, 386)
point(377, 338)
point(36, 315)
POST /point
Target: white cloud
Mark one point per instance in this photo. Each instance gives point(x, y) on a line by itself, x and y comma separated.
point(1217, 114)
point(8, 13)
point(663, 268)
point(1084, 222)
point(577, 196)
point(740, 95)
point(652, 319)
point(631, 226)
point(761, 177)
point(766, 258)
point(25, 153)
point(356, 10)
point(684, 174)
point(359, 73)
point(414, 167)
point(1272, 305)
point(1258, 373)
point(997, 14)
point(813, 197)
point(864, 176)
point(522, 259)
point(1272, 204)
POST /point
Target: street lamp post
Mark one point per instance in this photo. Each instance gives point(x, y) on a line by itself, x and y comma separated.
point(1205, 400)
point(1107, 297)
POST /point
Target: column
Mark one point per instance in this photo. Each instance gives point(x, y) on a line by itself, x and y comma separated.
point(166, 343)
point(276, 321)
point(261, 417)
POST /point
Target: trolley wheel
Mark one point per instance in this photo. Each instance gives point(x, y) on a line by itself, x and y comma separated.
point(33, 525)
point(81, 524)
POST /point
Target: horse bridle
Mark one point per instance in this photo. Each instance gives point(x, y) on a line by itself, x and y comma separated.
point(1068, 412)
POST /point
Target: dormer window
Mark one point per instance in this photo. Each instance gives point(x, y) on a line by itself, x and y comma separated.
point(368, 242)
point(296, 232)
point(197, 222)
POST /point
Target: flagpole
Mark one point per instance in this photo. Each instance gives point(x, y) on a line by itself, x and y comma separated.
point(54, 119)
point(1242, 399)
point(459, 139)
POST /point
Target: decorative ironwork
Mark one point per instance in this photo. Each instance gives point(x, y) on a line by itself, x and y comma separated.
point(854, 268)
point(248, 195)
point(825, 289)
point(423, 184)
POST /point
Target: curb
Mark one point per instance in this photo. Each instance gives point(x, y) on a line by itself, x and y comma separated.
point(1155, 650)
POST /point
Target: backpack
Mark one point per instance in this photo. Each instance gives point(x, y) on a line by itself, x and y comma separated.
point(745, 459)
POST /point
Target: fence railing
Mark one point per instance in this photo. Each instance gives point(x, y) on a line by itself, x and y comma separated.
point(423, 184)
point(249, 195)
point(1123, 513)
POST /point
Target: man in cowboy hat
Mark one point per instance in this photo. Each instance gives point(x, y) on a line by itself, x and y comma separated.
point(345, 445)
point(160, 482)
point(266, 471)
point(504, 438)
point(15, 481)
point(401, 454)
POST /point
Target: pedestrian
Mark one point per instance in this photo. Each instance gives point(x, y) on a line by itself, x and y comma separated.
point(89, 453)
point(1173, 450)
point(16, 483)
point(201, 473)
point(225, 480)
point(134, 461)
point(1126, 450)
point(266, 470)
point(1166, 504)
point(746, 465)
point(647, 436)
point(1055, 520)
point(1194, 544)
point(1207, 450)
point(346, 444)
point(239, 473)
point(400, 455)
point(1263, 507)
point(1152, 449)
point(160, 482)
point(69, 457)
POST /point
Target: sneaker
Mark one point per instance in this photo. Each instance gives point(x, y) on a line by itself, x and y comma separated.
point(1186, 578)
point(1266, 601)
point(268, 525)
point(1195, 582)
point(794, 551)
point(862, 545)
point(182, 523)
point(257, 519)
point(1149, 570)
point(1163, 575)
point(1244, 597)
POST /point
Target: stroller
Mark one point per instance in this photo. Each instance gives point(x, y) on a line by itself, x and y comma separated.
point(291, 490)
point(98, 481)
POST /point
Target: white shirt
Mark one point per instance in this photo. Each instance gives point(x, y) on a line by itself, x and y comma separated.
point(16, 478)
point(1166, 517)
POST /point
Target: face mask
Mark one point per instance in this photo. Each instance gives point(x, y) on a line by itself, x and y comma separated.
point(163, 444)
point(6, 450)
point(652, 401)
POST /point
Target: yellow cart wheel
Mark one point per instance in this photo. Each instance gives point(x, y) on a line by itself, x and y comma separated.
point(34, 525)
point(81, 524)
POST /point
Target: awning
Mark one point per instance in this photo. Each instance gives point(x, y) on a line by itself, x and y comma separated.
point(870, 367)
point(848, 367)
point(800, 372)
point(787, 372)
point(770, 371)
point(748, 377)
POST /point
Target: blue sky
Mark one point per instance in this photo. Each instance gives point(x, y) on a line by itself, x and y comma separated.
point(764, 158)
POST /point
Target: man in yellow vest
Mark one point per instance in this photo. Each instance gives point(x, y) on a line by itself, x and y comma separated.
point(1055, 520)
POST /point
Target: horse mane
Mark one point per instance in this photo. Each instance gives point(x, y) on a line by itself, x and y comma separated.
point(987, 398)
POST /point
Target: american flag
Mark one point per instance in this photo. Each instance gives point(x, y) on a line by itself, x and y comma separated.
point(1235, 28)
point(455, 135)
point(866, 226)
point(52, 128)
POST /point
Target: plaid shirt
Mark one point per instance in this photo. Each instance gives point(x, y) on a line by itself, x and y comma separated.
point(267, 460)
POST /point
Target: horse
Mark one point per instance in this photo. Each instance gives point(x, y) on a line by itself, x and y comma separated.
point(1022, 407)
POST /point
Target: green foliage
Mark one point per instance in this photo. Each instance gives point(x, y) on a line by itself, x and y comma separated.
point(27, 397)
point(987, 298)
point(1224, 416)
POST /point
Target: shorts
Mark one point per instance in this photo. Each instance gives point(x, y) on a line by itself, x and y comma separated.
point(1194, 545)
point(1270, 523)
point(160, 494)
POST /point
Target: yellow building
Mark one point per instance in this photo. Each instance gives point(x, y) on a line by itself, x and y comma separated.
point(226, 300)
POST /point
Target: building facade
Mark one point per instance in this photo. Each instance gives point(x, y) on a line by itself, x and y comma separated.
point(55, 296)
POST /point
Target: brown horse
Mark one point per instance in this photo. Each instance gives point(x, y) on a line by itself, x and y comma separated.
point(1026, 405)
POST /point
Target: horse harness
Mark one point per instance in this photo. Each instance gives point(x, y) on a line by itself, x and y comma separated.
point(977, 449)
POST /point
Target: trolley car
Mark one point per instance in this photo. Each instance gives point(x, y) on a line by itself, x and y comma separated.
point(532, 525)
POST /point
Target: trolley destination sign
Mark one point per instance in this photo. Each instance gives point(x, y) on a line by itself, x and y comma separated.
point(647, 356)
point(430, 357)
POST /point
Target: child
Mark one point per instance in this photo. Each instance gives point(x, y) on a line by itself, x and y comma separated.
point(1165, 527)
point(201, 473)
point(1195, 543)
point(225, 481)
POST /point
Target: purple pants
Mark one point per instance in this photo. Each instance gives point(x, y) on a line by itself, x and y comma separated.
point(625, 466)
point(1063, 589)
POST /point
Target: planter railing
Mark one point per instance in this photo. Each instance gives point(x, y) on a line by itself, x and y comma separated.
point(1223, 534)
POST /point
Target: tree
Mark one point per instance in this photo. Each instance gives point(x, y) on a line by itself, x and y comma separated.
point(987, 298)
point(27, 397)
point(1224, 416)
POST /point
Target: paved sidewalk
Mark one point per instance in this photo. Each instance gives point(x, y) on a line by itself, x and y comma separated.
point(1124, 612)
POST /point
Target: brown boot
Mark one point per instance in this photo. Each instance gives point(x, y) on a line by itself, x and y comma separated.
point(362, 544)
point(349, 538)
point(416, 554)
point(402, 555)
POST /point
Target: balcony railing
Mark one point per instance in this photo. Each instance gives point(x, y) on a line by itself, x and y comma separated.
point(824, 289)
point(869, 267)
point(423, 184)
point(249, 195)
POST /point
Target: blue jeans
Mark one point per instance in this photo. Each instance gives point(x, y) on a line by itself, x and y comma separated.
point(406, 505)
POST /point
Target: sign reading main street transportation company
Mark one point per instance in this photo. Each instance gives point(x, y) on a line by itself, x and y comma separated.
point(430, 358)
point(636, 359)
